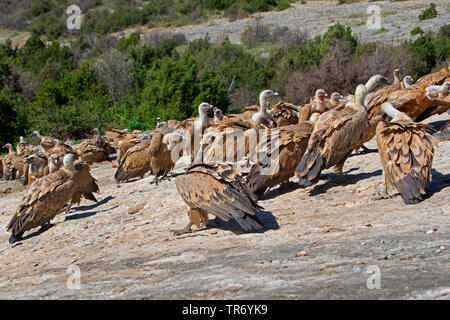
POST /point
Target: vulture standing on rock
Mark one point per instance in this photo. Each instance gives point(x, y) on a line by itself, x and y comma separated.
point(85, 185)
point(336, 134)
point(161, 162)
point(218, 190)
point(406, 152)
point(292, 142)
point(134, 163)
point(43, 200)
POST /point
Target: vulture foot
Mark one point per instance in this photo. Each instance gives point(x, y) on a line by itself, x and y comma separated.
point(187, 229)
point(383, 194)
point(15, 238)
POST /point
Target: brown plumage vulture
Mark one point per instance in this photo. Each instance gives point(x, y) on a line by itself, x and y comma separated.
point(291, 143)
point(336, 134)
point(218, 190)
point(85, 185)
point(161, 146)
point(406, 152)
point(284, 114)
point(43, 200)
point(135, 163)
point(36, 167)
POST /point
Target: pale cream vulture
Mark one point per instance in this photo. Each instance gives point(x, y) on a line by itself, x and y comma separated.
point(291, 143)
point(406, 152)
point(218, 190)
point(43, 200)
point(336, 134)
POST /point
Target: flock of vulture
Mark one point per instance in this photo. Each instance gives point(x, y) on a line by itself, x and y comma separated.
point(309, 138)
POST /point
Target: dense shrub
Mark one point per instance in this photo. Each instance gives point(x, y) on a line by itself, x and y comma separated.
point(428, 13)
point(99, 81)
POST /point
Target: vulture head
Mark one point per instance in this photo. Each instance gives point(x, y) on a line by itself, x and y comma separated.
point(160, 123)
point(336, 97)
point(375, 81)
point(37, 134)
point(397, 76)
point(8, 146)
point(53, 163)
point(217, 114)
point(204, 107)
point(172, 139)
point(408, 82)
point(263, 97)
point(32, 159)
point(69, 160)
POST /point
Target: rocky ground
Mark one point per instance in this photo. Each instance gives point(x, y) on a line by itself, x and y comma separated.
point(398, 18)
point(318, 243)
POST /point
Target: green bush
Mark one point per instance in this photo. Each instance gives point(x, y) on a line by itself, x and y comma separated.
point(417, 30)
point(428, 13)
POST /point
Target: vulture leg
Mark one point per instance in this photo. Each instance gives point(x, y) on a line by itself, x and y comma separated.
point(384, 191)
point(155, 181)
point(165, 176)
point(46, 226)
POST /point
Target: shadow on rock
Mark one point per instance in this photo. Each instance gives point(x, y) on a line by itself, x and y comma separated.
point(87, 214)
point(266, 218)
point(438, 182)
point(342, 181)
point(95, 205)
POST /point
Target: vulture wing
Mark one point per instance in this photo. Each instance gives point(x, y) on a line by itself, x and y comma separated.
point(220, 191)
point(406, 152)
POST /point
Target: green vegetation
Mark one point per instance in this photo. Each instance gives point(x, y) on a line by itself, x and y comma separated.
point(101, 82)
point(381, 31)
point(417, 30)
point(48, 17)
point(428, 13)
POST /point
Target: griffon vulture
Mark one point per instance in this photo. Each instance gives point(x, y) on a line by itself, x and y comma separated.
point(218, 190)
point(336, 134)
point(406, 153)
point(43, 200)
point(291, 142)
